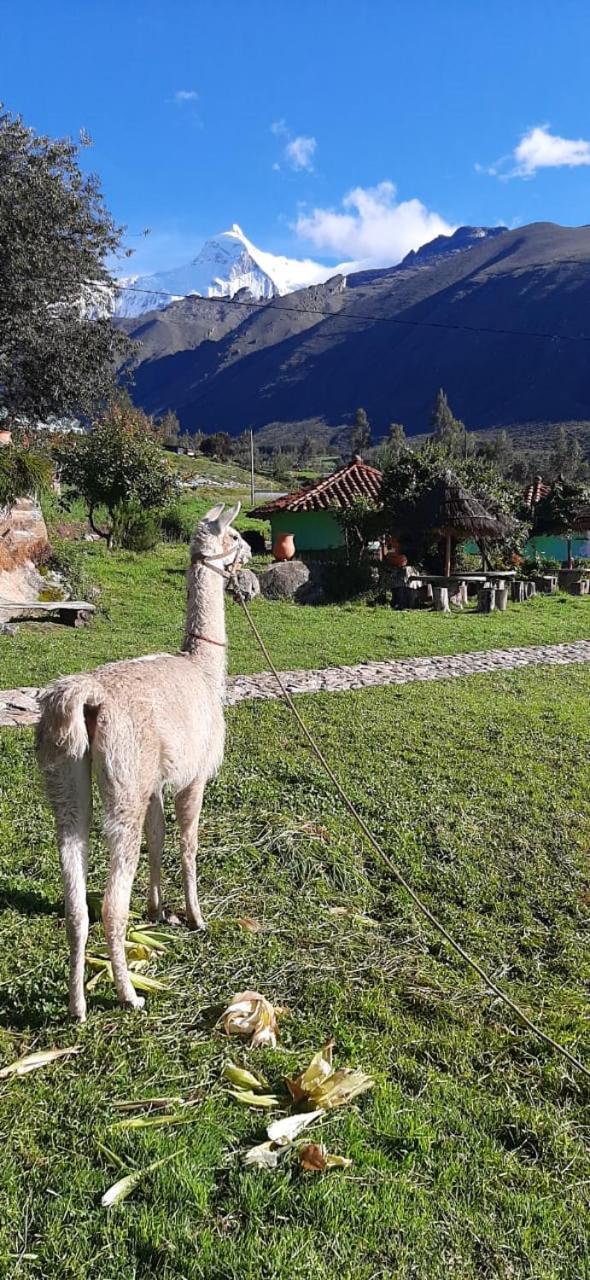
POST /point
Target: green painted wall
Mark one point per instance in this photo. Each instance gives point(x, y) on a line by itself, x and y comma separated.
point(553, 547)
point(312, 530)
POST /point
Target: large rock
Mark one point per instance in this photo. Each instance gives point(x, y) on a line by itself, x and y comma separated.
point(244, 584)
point(290, 580)
point(23, 541)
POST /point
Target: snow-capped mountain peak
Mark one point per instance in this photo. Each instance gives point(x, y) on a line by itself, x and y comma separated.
point(226, 263)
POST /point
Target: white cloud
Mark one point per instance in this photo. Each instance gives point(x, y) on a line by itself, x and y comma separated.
point(372, 229)
point(299, 152)
point(539, 149)
point(185, 95)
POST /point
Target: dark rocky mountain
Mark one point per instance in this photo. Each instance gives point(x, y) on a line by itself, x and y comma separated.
point(500, 318)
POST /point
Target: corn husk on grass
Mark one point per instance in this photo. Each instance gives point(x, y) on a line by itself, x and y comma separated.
point(124, 1187)
point(31, 1061)
point(320, 1085)
point(248, 1088)
point(251, 1016)
point(314, 1157)
point(142, 948)
point(319, 1089)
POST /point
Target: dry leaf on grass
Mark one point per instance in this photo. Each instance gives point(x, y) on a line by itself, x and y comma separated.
point(320, 1085)
point(243, 1079)
point(149, 939)
point(319, 1068)
point(338, 1089)
point(286, 1130)
point(155, 1104)
point(40, 1058)
point(123, 1188)
point(141, 981)
point(314, 1157)
point(155, 1122)
point(249, 1099)
point(250, 924)
point(264, 1156)
point(252, 1016)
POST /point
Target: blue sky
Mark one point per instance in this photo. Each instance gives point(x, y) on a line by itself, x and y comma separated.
point(206, 113)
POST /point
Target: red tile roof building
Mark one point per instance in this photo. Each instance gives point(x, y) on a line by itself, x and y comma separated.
point(345, 486)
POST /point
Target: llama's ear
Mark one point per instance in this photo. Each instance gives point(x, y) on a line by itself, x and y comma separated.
point(229, 516)
point(212, 516)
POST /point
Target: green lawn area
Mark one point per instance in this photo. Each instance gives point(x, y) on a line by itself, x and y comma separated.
point(470, 1156)
point(142, 610)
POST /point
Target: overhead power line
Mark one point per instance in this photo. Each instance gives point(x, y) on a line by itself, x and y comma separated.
point(357, 315)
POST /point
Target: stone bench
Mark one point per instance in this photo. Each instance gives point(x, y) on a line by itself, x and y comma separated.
point(73, 613)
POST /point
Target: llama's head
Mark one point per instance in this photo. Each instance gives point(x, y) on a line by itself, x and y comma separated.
point(214, 539)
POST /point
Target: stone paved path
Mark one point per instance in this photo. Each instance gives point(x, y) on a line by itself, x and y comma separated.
point(20, 706)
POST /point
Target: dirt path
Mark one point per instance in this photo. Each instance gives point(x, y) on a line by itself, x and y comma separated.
point(20, 706)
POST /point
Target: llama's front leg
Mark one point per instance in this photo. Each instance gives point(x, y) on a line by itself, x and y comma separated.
point(154, 831)
point(70, 793)
point(124, 841)
point(188, 811)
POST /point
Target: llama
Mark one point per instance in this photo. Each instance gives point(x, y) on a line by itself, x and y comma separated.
point(141, 723)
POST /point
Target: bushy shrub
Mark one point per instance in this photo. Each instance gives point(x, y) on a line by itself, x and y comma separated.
point(135, 528)
point(341, 581)
point(535, 564)
point(68, 559)
point(22, 473)
point(175, 525)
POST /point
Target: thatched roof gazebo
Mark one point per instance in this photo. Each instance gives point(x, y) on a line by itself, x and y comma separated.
point(450, 511)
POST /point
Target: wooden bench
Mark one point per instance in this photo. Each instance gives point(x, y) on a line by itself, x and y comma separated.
point(72, 613)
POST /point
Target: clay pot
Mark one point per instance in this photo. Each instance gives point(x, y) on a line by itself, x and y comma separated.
point(284, 546)
point(396, 559)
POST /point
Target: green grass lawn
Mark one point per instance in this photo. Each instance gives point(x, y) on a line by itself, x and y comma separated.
point(142, 609)
point(470, 1157)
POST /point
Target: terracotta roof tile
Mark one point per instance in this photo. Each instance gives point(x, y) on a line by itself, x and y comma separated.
point(351, 482)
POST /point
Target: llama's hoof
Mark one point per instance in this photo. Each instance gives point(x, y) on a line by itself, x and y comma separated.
point(196, 924)
point(135, 1002)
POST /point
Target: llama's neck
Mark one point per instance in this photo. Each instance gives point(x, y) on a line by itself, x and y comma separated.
point(205, 619)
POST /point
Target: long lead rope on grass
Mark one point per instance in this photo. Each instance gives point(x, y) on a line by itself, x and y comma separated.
point(388, 862)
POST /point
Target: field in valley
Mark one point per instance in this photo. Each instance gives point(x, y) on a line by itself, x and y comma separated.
point(470, 1155)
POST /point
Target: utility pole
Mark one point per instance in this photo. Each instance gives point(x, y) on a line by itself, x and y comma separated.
point(251, 467)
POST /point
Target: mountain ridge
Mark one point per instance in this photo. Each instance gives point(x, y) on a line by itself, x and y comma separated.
point(470, 321)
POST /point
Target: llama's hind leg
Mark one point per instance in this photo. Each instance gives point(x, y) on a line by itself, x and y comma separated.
point(188, 811)
point(124, 837)
point(70, 792)
point(154, 831)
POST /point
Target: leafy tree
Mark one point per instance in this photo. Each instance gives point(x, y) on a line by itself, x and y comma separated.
point(448, 431)
point(306, 450)
point(118, 463)
point(168, 428)
point(499, 450)
point(406, 480)
point(560, 511)
point(396, 441)
point(58, 347)
point(567, 457)
point(360, 434)
point(218, 445)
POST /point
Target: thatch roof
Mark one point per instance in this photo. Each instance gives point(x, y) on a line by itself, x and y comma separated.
point(344, 487)
point(449, 508)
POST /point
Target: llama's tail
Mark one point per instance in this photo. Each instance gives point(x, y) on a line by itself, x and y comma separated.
point(69, 707)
